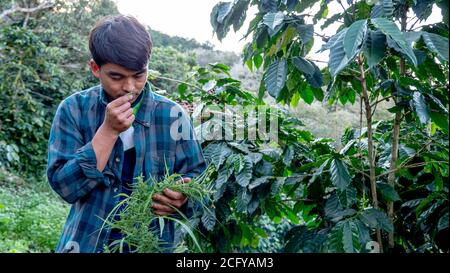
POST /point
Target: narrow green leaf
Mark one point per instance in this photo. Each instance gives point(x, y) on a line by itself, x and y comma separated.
point(303, 65)
point(439, 103)
point(440, 119)
point(239, 14)
point(388, 8)
point(319, 170)
point(244, 197)
point(422, 8)
point(276, 185)
point(223, 10)
point(288, 155)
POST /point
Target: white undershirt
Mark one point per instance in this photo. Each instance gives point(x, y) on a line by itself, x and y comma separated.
point(127, 138)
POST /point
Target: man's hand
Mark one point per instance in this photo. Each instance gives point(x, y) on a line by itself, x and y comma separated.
point(119, 115)
point(118, 118)
point(164, 203)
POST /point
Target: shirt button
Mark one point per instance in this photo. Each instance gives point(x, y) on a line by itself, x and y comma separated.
point(115, 189)
point(117, 159)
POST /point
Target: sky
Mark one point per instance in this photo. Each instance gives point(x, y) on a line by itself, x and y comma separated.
point(185, 18)
point(191, 19)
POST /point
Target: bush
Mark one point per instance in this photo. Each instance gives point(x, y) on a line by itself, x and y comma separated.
point(30, 221)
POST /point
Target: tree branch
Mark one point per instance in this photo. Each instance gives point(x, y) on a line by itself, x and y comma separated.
point(14, 8)
point(378, 101)
point(419, 164)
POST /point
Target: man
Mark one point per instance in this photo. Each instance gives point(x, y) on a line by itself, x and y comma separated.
point(104, 137)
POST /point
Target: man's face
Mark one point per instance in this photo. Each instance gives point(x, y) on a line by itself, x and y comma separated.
point(118, 81)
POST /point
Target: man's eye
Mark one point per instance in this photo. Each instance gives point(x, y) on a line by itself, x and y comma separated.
point(139, 76)
point(116, 78)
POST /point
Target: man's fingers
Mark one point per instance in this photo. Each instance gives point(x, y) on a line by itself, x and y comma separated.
point(184, 180)
point(164, 200)
point(124, 107)
point(125, 115)
point(173, 194)
point(170, 198)
point(161, 207)
point(130, 119)
point(121, 100)
point(161, 213)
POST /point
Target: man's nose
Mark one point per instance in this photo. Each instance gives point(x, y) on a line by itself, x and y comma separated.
point(128, 85)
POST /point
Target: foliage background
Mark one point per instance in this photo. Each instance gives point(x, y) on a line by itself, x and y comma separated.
point(309, 192)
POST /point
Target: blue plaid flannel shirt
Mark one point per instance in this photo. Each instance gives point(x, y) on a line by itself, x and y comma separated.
point(72, 168)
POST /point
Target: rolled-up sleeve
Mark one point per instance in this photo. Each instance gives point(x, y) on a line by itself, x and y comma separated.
point(72, 165)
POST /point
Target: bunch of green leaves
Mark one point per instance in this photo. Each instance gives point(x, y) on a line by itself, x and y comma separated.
point(136, 219)
point(41, 62)
point(339, 190)
point(251, 177)
point(25, 72)
point(368, 53)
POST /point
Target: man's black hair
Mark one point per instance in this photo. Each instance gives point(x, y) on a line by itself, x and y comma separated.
point(120, 40)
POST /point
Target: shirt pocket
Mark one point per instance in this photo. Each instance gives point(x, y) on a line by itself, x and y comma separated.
point(162, 163)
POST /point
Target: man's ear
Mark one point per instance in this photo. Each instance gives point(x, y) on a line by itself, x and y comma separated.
point(94, 68)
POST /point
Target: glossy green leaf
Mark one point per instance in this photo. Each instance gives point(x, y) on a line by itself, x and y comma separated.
point(275, 77)
point(375, 47)
point(306, 32)
point(339, 174)
point(436, 44)
point(307, 94)
point(243, 178)
point(338, 59)
point(421, 107)
point(376, 219)
point(354, 38)
point(390, 29)
point(273, 20)
point(388, 192)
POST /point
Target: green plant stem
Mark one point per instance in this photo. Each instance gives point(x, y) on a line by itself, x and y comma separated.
point(373, 184)
point(395, 138)
point(419, 164)
point(178, 81)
